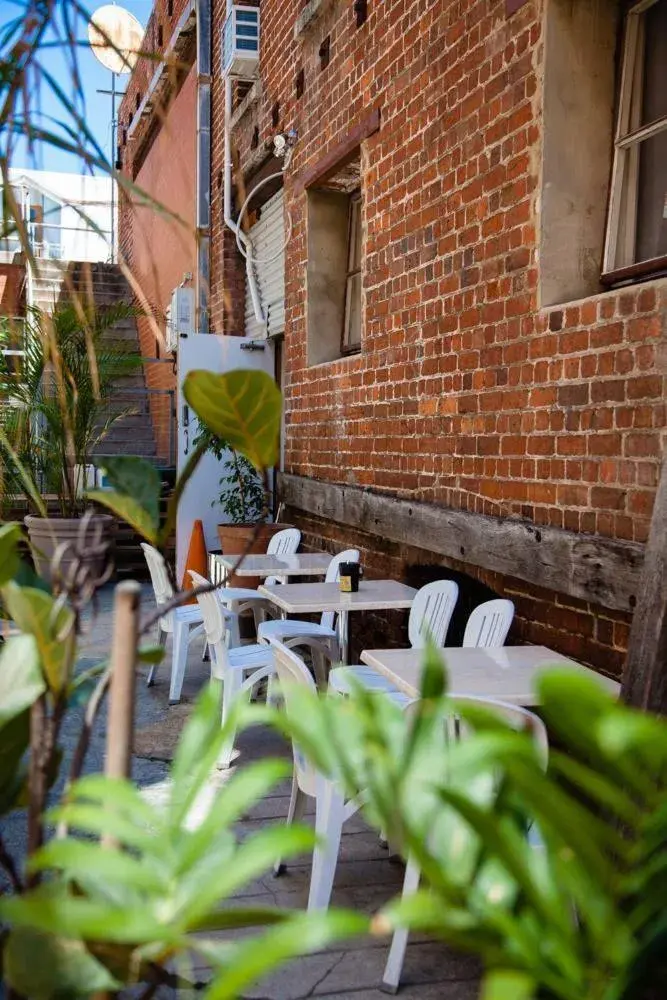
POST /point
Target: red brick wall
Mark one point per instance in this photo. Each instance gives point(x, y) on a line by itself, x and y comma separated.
point(160, 158)
point(12, 300)
point(466, 393)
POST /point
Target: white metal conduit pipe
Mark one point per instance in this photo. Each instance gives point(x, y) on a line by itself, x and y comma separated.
point(227, 205)
point(243, 243)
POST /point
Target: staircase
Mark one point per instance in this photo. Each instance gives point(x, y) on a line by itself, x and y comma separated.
point(54, 283)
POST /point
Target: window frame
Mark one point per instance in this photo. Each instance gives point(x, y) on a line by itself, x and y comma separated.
point(355, 221)
point(622, 214)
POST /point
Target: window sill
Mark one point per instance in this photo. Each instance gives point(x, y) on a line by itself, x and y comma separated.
point(308, 15)
point(645, 270)
point(350, 356)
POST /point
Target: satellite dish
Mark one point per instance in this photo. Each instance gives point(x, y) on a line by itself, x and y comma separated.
point(115, 37)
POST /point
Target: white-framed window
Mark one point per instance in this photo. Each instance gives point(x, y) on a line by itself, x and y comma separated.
point(637, 222)
point(351, 339)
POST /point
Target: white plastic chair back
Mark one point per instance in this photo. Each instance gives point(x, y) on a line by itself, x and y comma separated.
point(162, 587)
point(215, 625)
point(431, 613)
point(293, 673)
point(489, 624)
point(283, 543)
point(333, 572)
point(518, 718)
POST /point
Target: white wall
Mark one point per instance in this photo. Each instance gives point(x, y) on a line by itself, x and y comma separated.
point(79, 195)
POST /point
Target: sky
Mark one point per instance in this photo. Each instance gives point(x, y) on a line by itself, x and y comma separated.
point(93, 75)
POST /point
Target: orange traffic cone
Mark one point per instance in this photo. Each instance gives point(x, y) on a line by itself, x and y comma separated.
point(197, 558)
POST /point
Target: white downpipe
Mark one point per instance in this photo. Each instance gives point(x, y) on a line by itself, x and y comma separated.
point(227, 208)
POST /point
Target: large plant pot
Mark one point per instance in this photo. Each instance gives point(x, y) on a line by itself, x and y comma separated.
point(47, 533)
point(234, 539)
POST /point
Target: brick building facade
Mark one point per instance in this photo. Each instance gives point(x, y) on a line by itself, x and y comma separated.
point(508, 389)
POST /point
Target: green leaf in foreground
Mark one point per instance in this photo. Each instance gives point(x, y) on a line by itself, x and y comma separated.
point(35, 614)
point(10, 536)
point(42, 967)
point(135, 496)
point(242, 407)
point(21, 681)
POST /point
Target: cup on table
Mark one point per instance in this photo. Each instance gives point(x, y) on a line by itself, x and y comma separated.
point(348, 578)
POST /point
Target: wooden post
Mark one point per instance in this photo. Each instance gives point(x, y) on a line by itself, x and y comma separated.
point(120, 723)
point(645, 674)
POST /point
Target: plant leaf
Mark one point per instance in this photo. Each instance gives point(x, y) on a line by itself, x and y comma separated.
point(306, 933)
point(507, 984)
point(21, 681)
point(35, 614)
point(14, 740)
point(64, 967)
point(136, 493)
point(242, 407)
point(10, 536)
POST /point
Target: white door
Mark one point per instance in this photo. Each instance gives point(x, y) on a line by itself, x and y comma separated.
point(268, 251)
point(217, 354)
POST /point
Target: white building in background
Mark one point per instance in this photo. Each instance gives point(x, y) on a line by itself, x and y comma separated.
point(69, 216)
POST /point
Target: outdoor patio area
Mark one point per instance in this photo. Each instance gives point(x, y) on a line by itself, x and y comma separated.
point(365, 877)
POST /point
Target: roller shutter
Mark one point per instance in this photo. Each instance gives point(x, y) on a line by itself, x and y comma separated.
point(268, 239)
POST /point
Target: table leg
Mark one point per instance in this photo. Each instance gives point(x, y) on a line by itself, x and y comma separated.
point(344, 636)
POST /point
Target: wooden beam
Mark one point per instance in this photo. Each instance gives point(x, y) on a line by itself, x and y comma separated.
point(592, 568)
point(645, 674)
point(341, 154)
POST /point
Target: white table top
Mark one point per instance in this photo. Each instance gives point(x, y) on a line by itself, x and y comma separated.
point(308, 598)
point(300, 564)
point(507, 673)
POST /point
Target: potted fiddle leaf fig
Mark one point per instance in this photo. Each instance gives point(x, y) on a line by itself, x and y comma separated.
point(58, 408)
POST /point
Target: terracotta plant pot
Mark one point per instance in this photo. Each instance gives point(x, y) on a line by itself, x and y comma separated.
point(234, 539)
point(46, 534)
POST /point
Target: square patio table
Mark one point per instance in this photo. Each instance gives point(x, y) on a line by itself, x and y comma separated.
point(506, 674)
point(263, 564)
point(310, 598)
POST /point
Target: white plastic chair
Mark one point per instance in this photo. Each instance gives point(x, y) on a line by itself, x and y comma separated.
point(239, 668)
point(430, 615)
point(184, 624)
point(239, 599)
point(520, 719)
point(489, 623)
point(331, 809)
point(292, 632)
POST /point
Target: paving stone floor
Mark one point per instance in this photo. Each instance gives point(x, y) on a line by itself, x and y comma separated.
point(365, 877)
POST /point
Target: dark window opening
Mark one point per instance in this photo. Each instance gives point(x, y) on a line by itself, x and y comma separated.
point(300, 83)
point(275, 114)
point(160, 36)
point(170, 8)
point(360, 11)
point(137, 101)
point(254, 142)
point(325, 53)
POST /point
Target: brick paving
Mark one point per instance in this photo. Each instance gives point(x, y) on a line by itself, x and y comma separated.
point(365, 878)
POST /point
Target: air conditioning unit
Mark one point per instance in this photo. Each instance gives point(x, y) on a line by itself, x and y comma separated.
point(180, 316)
point(240, 42)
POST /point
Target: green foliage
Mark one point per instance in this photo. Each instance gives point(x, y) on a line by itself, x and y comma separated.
point(581, 917)
point(242, 495)
point(135, 496)
point(242, 408)
point(59, 400)
point(122, 909)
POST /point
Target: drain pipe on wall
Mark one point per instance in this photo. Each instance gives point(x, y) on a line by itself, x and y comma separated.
point(203, 168)
point(241, 239)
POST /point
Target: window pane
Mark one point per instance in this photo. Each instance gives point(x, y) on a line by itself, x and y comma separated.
point(352, 331)
point(652, 199)
point(354, 260)
point(654, 104)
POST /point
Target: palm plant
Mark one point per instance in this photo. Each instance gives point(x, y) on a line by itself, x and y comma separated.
point(56, 402)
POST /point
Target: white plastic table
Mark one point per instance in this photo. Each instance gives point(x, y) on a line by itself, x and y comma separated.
point(310, 598)
point(300, 564)
point(507, 674)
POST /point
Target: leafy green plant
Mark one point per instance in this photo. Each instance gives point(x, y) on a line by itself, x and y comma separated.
point(149, 895)
point(583, 917)
point(129, 893)
point(242, 496)
point(59, 400)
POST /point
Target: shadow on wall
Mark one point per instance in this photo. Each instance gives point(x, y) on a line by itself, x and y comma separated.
point(471, 593)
